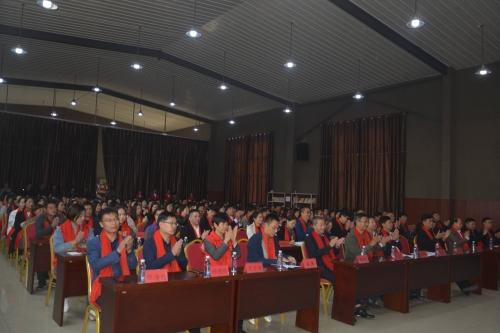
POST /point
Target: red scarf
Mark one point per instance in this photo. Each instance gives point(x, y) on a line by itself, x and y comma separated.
point(342, 227)
point(69, 235)
point(247, 216)
point(258, 229)
point(138, 221)
point(154, 196)
point(217, 242)
point(327, 257)
point(396, 249)
point(62, 213)
point(108, 271)
point(404, 227)
point(464, 245)
point(26, 214)
point(287, 234)
point(230, 218)
point(46, 224)
point(194, 230)
point(90, 222)
point(303, 223)
point(270, 246)
point(363, 241)
point(173, 266)
point(210, 222)
point(431, 236)
point(125, 227)
point(439, 224)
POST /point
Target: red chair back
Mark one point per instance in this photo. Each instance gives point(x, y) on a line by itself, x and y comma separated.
point(194, 255)
point(405, 246)
point(141, 227)
point(243, 244)
point(241, 233)
point(30, 231)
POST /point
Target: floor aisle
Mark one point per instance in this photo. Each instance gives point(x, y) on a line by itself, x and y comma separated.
point(24, 313)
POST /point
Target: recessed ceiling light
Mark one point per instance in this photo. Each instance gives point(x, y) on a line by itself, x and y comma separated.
point(358, 95)
point(232, 122)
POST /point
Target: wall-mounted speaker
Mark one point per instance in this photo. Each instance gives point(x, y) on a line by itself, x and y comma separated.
point(302, 151)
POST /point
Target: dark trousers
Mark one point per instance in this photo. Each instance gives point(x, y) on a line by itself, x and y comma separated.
point(13, 241)
point(463, 284)
point(42, 278)
point(327, 274)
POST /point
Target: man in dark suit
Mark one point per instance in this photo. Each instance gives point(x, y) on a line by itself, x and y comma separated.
point(425, 236)
point(488, 234)
point(206, 221)
point(474, 235)
point(387, 225)
point(193, 230)
point(341, 225)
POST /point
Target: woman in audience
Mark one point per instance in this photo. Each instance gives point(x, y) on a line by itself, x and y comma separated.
point(139, 195)
point(287, 231)
point(137, 215)
point(61, 208)
point(104, 205)
point(170, 207)
point(28, 215)
point(296, 212)
point(96, 207)
point(191, 197)
point(255, 224)
point(127, 226)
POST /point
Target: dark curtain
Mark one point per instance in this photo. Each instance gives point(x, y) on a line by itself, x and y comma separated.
point(136, 161)
point(47, 151)
point(363, 164)
point(249, 166)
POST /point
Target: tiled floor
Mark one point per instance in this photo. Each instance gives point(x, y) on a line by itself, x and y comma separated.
point(25, 313)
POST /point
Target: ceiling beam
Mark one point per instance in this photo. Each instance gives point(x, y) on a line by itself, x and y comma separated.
point(370, 21)
point(146, 52)
point(109, 92)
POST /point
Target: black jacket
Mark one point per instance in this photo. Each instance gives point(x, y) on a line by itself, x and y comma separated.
point(187, 231)
point(424, 242)
point(281, 233)
point(337, 231)
point(314, 252)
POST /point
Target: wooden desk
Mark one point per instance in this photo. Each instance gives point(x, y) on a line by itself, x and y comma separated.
point(71, 281)
point(276, 292)
point(467, 267)
point(379, 277)
point(39, 260)
point(432, 273)
point(491, 264)
point(132, 307)
point(294, 251)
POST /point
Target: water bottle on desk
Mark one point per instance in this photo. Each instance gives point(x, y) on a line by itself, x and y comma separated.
point(473, 247)
point(185, 241)
point(454, 247)
point(233, 263)
point(415, 252)
point(280, 260)
point(437, 250)
point(139, 242)
point(363, 251)
point(491, 243)
point(393, 254)
point(206, 269)
point(142, 271)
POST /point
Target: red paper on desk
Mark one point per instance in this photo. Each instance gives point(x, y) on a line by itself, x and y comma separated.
point(422, 254)
point(308, 263)
point(479, 249)
point(457, 251)
point(284, 243)
point(156, 275)
point(216, 271)
point(361, 260)
point(253, 267)
point(399, 256)
point(442, 253)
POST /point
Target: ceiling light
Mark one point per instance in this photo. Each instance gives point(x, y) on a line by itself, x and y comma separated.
point(196, 121)
point(287, 109)
point(136, 65)
point(47, 4)
point(232, 121)
point(223, 86)
point(193, 33)
point(172, 102)
point(2, 80)
point(416, 22)
point(113, 122)
point(96, 88)
point(73, 102)
point(290, 63)
point(483, 70)
point(19, 49)
point(195, 129)
point(140, 113)
point(54, 113)
point(358, 94)
point(164, 133)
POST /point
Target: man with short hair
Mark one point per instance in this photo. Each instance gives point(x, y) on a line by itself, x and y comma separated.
point(206, 221)
point(230, 211)
point(377, 217)
point(317, 212)
point(109, 254)
point(154, 225)
point(488, 233)
point(474, 235)
point(193, 230)
point(90, 219)
point(202, 209)
point(386, 231)
point(405, 230)
point(45, 226)
point(341, 225)
point(426, 240)
point(303, 223)
point(461, 241)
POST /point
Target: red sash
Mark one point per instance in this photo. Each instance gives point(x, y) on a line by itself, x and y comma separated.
point(26, 215)
point(138, 221)
point(330, 255)
point(363, 241)
point(69, 235)
point(210, 222)
point(270, 246)
point(108, 271)
point(230, 218)
point(287, 234)
point(439, 224)
point(247, 216)
point(464, 245)
point(431, 236)
point(258, 229)
point(173, 266)
point(390, 241)
point(194, 230)
point(404, 227)
point(303, 223)
point(217, 241)
point(126, 228)
point(46, 224)
point(342, 227)
point(90, 222)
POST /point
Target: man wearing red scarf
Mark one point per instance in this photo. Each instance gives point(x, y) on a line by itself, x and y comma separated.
point(303, 223)
point(405, 230)
point(488, 233)
point(461, 241)
point(206, 221)
point(425, 236)
point(322, 248)
point(245, 220)
point(193, 230)
point(109, 254)
point(341, 225)
point(354, 243)
point(220, 245)
point(387, 226)
point(164, 250)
